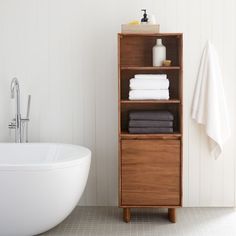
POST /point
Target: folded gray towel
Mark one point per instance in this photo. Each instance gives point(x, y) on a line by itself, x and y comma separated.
point(151, 115)
point(150, 130)
point(151, 123)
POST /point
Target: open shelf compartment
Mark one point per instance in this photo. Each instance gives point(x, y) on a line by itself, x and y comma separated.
point(172, 75)
point(136, 50)
point(125, 109)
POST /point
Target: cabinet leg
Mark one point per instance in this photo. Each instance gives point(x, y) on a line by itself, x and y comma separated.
point(172, 215)
point(126, 215)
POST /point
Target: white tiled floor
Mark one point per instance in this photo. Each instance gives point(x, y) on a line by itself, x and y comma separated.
point(106, 221)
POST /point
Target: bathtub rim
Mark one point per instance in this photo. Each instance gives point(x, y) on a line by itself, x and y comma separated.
point(47, 166)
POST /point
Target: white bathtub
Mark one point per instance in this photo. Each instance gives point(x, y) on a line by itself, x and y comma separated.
point(40, 184)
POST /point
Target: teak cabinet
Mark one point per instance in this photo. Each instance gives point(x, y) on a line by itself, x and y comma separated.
point(150, 165)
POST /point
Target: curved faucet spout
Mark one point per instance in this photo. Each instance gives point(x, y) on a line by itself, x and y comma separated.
point(15, 87)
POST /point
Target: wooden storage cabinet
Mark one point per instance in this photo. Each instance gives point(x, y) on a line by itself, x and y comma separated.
point(150, 165)
point(150, 173)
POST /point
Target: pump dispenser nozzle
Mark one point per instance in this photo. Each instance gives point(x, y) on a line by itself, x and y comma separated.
point(144, 19)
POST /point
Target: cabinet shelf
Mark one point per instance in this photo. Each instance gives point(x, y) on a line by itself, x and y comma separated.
point(126, 135)
point(150, 68)
point(171, 101)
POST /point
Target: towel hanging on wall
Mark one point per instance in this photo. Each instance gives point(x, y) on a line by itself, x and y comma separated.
point(209, 106)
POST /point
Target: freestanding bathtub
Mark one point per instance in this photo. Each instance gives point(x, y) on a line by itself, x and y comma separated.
point(40, 184)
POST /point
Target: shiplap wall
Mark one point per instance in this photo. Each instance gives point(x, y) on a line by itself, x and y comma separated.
point(64, 53)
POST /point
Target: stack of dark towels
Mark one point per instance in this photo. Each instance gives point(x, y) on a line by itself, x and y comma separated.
point(150, 122)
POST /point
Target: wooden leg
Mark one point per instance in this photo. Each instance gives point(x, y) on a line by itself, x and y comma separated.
point(126, 215)
point(172, 215)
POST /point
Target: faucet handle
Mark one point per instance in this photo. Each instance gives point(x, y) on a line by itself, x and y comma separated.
point(24, 120)
point(12, 125)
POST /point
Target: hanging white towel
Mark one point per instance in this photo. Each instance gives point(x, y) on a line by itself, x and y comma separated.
point(150, 83)
point(209, 106)
point(149, 94)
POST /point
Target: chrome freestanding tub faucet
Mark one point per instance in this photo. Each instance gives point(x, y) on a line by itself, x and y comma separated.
point(20, 125)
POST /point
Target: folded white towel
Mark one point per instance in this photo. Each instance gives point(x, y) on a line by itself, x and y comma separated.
point(149, 94)
point(152, 83)
point(147, 76)
point(209, 106)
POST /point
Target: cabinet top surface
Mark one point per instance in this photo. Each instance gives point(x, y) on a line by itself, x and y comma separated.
point(152, 35)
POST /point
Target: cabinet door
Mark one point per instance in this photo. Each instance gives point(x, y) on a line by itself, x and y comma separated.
point(150, 173)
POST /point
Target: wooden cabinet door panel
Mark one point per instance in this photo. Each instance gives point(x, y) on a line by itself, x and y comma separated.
point(150, 172)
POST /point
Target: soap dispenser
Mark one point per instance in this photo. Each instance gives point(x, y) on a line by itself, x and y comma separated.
point(144, 20)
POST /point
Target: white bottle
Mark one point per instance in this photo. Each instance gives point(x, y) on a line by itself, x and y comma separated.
point(158, 53)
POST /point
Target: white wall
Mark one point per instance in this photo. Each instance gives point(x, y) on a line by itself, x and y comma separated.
point(65, 54)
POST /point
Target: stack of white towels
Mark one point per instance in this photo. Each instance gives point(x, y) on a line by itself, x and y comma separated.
point(149, 86)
